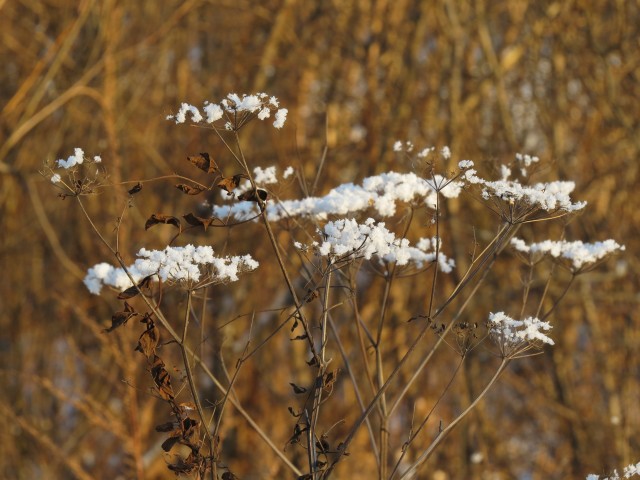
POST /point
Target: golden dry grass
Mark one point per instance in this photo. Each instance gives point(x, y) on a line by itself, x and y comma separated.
point(557, 79)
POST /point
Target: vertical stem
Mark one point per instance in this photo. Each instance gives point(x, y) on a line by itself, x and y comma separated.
point(322, 368)
point(413, 469)
point(191, 382)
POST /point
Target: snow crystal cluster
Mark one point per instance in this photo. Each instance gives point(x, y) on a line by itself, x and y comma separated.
point(175, 264)
point(549, 196)
point(77, 158)
point(511, 334)
point(578, 254)
point(525, 161)
point(259, 105)
point(346, 236)
point(380, 192)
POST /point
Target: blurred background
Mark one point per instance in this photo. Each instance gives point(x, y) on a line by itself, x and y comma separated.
point(560, 80)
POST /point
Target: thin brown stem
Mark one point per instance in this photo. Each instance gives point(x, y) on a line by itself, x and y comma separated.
point(413, 469)
point(191, 381)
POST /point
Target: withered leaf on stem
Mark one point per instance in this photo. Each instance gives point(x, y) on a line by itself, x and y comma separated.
point(300, 337)
point(162, 378)
point(120, 318)
point(170, 442)
point(183, 467)
point(297, 431)
point(229, 184)
point(190, 189)
point(148, 341)
point(135, 289)
point(330, 378)
point(311, 295)
point(135, 189)
point(157, 218)
point(252, 196)
point(204, 162)
point(189, 427)
point(167, 427)
point(296, 389)
point(205, 223)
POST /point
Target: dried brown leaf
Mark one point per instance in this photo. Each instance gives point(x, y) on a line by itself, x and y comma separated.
point(195, 221)
point(135, 289)
point(183, 467)
point(252, 196)
point(167, 427)
point(231, 183)
point(161, 378)
point(148, 341)
point(204, 162)
point(170, 442)
point(135, 189)
point(296, 389)
point(158, 218)
point(190, 189)
point(120, 318)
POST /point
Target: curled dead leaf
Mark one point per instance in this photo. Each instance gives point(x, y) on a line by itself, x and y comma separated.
point(204, 162)
point(254, 195)
point(120, 318)
point(135, 289)
point(148, 341)
point(135, 189)
point(167, 427)
point(297, 389)
point(229, 184)
point(195, 221)
point(158, 218)
point(190, 189)
point(170, 442)
point(161, 378)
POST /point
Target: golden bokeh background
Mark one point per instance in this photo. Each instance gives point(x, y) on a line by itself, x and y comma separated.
point(557, 79)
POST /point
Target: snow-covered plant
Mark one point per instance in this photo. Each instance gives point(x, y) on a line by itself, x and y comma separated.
point(355, 233)
point(629, 471)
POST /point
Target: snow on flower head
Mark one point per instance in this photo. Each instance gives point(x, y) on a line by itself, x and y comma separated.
point(344, 237)
point(577, 254)
point(549, 196)
point(239, 108)
point(381, 193)
point(281, 117)
point(514, 336)
point(73, 161)
point(76, 159)
point(525, 161)
point(173, 264)
point(288, 172)
point(406, 147)
point(213, 112)
point(265, 176)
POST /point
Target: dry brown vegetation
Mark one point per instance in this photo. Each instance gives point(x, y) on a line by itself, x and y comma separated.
point(560, 80)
